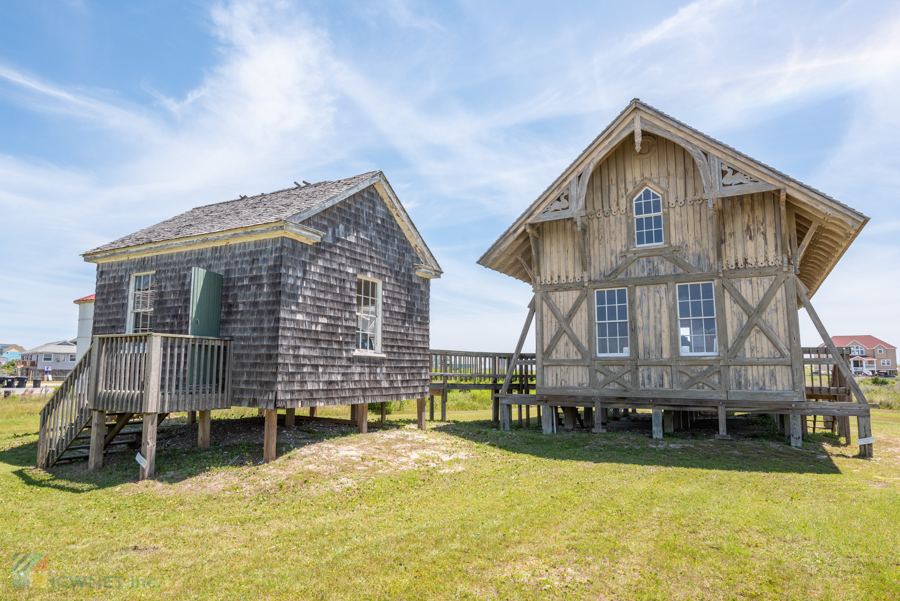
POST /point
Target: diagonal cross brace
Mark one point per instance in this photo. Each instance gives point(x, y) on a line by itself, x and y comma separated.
point(564, 323)
point(763, 326)
point(569, 316)
point(753, 319)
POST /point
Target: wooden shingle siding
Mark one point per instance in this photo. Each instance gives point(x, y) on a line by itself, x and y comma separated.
point(250, 305)
point(290, 308)
point(318, 310)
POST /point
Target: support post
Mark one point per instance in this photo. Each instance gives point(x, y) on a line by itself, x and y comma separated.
point(431, 407)
point(570, 414)
point(192, 417)
point(668, 421)
point(383, 414)
point(528, 416)
point(547, 420)
point(270, 451)
point(203, 429)
point(420, 413)
point(362, 418)
point(312, 411)
point(98, 432)
point(796, 431)
point(443, 407)
point(598, 417)
point(148, 445)
point(353, 412)
point(520, 416)
point(723, 425)
point(864, 430)
point(657, 423)
point(290, 415)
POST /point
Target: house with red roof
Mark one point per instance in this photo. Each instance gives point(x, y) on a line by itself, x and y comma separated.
point(869, 355)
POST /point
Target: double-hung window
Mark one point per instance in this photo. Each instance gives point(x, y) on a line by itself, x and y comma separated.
point(368, 315)
point(140, 303)
point(697, 319)
point(885, 363)
point(648, 221)
point(48, 357)
point(612, 322)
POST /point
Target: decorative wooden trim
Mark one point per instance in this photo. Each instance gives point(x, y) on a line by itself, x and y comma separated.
point(548, 302)
point(749, 310)
point(753, 319)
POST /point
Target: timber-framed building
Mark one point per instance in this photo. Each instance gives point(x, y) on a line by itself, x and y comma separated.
point(668, 270)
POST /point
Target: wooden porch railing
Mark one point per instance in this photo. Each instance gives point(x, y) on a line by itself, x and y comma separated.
point(161, 373)
point(824, 379)
point(65, 415)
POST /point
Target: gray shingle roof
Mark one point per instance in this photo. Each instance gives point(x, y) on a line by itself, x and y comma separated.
point(62, 346)
point(243, 212)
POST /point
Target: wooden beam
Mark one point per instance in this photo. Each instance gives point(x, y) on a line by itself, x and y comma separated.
point(121, 422)
point(203, 429)
point(519, 345)
point(270, 435)
point(806, 240)
point(98, 429)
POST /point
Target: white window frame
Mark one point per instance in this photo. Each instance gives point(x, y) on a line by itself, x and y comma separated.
point(885, 363)
point(858, 351)
point(379, 318)
point(880, 351)
point(635, 216)
point(129, 323)
point(72, 357)
point(714, 317)
point(44, 357)
point(597, 322)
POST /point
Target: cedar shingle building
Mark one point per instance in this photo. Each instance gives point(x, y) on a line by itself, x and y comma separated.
point(309, 296)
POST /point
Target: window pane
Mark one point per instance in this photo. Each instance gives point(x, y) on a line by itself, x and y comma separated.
point(612, 332)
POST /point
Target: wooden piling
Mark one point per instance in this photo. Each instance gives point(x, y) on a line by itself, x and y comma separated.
point(148, 445)
point(598, 417)
point(668, 421)
point(269, 439)
point(796, 430)
point(289, 416)
point(362, 418)
point(192, 417)
point(723, 426)
point(98, 432)
point(420, 412)
point(383, 414)
point(203, 429)
point(312, 411)
point(657, 423)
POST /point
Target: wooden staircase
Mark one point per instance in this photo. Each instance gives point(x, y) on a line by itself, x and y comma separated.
point(65, 429)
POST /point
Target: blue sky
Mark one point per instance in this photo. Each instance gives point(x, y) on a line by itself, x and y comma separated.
point(117, 115)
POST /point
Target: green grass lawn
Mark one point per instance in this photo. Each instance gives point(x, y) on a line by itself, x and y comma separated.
point(462, 511)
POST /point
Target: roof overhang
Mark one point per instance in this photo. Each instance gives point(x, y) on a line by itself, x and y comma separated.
point(836, 225)
point(278, 229)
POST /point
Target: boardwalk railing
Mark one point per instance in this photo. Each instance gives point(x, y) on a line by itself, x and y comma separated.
point(162, 373)
point(467, 370)
point(65, 415)
point(824, 378)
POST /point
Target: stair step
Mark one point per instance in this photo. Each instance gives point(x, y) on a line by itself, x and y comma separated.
point(123, 431)
point(87, 446)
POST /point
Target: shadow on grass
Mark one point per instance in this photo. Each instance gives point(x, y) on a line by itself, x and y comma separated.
point(234, 443)
point(756, 445)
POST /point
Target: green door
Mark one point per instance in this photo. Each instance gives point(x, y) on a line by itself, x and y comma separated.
point(206, 303)
point(206, 310)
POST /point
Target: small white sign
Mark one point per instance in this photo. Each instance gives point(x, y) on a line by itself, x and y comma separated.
point(141, 461)
point(869, 440)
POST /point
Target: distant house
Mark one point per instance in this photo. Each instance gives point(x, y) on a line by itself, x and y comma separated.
point(869, 355)
point(10, 352)
point(60, 356)
point(85, 324)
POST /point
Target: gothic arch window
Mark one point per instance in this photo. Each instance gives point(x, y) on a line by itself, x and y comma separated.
point(648, 218)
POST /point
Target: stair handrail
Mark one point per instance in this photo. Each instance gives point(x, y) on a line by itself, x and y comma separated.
point(65, 413)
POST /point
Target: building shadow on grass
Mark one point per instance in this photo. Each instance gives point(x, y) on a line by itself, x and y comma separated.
point(756, 445)
point(235, 443)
